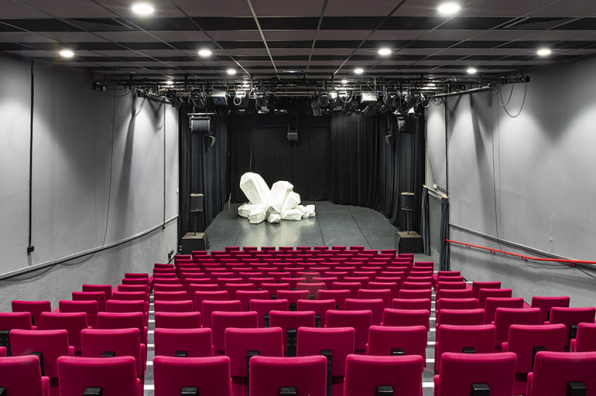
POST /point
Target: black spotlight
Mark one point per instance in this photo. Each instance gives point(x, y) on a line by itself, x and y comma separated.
point(198, 99)
point(174, 99)
point(209, 140)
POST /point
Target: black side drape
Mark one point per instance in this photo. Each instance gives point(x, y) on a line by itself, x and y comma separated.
point(203, 170)
point(368, 172)
point(424, 222)
point(444, 264)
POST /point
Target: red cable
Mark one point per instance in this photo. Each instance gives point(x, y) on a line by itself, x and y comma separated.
point(569, 261)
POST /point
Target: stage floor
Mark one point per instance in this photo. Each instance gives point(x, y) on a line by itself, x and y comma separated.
point(340, 225)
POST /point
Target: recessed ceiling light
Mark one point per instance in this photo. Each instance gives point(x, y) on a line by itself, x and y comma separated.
point(344, 82)
point(142, 8)
point(359, 70)
point(544, 52)
point(472, 70)
point(291, 71)
point(66, 53)
point(448, 8)
point(205, 53)
point(384, 51)
point(231, 72)
point(431, 85)
point(170, 82)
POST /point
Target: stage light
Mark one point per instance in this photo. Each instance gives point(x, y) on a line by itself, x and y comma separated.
point(431, 85)
point(472, 70)
point(359, 70)
point(390, 102)
point(344, 82)
point(544, 52)
point(261, 102)
point(368, 96)
point(448, 8)
point(384, 51)
point(324, 99)
point(231, 72)
point(197, 98)
point(169, 82)
point(205, 53)
point(351, 107)
point(219, 99)
point(66, 53)
point(174, 98)
point(143, 8)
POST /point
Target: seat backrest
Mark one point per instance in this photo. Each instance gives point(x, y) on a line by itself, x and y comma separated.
point(210, 306)
point(441, 285)
point(319, 307)
point(123, 342)
point(460, 370)
point(211, 375)
point(391, 286)
point(173, 306)
point(447, 293)
point(572, 316)
point(123, 320)
point(72, 322)
point(268, 374)
point(35, 308)
point(232, 288)
point(99, 297)
point(126, 306)
point(128, 296)
point(483, 294)
point(359, 320)
point(340, 341)
point(291, 321)
point(415, 294)
point(168, 288)
point(406, 317)
point(313, 288)
point(353, 287)
point(414, 303)
point(221, 320)
point(21, 375)
point(553, 370)
point(89, 307)
point(51, 343)
point(193, 342)
point(239, 342)
point(116, 376)
point(388, 340)
point(130, 289)
point(505, 317)
point(476, 286)
point(546, 303)
point(170, 296)
point(460, 317)
point(524, 338)
point(457, 303)
point(376, 306)
point(383, 294)
point(263, 307)
point(365, 373)
point(452, 338)
point(15, 320)
point(178, 320)
point(293, 296)
point(244, 296)
point(339, 296)
point(492, 303)
point(586, 338)
point(200, 296)
point(107, 289)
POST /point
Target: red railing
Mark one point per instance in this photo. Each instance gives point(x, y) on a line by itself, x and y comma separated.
point(526, 258)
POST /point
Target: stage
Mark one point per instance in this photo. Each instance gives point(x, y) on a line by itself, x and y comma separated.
point(341, 225)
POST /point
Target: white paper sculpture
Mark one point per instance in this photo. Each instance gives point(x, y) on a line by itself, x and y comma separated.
point(279, 203)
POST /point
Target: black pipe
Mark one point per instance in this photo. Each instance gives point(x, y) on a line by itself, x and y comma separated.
point(31, 248)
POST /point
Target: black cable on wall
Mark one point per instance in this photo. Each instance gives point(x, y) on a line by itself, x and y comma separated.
point(30, 247)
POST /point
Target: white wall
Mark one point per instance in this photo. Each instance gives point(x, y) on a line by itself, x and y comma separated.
point(528, 179)
point(97, 157)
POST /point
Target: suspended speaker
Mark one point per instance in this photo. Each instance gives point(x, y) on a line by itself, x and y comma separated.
point(292, 136)
point(196, 203)
point(407, 201)
point(410, 125)
point(209, 141)
point(389, 139)
point(200, 124)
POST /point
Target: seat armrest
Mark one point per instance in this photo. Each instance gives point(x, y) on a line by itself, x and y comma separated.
point(45, 385)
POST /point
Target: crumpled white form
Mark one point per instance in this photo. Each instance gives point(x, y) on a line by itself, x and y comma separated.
point(257, 215)
point(290, 203)
point(274, 218)
point(311, 210)
point(255, 188)
point(279, 193)
point(244, 210)
point(292, 214)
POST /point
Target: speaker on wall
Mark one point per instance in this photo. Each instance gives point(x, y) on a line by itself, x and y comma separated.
point(200, 124)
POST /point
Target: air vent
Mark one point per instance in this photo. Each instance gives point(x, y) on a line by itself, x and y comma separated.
point(101, 24)
point(536, 23)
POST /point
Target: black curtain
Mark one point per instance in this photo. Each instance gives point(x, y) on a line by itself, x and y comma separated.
point(366, 171)
point(203, 170)
point(424, 222)
point(259, 143)
point(444, 264)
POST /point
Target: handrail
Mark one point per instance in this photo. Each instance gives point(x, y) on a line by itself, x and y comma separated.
point(523, 257)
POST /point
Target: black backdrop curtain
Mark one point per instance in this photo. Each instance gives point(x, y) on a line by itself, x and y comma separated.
point(368, 172)
point(203, 170)
point(259, 143)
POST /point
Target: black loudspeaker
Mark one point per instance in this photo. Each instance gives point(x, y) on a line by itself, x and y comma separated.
point(292, 136)
point(410, 125)
point(209, 141)
point(200, 124)
point(407, 201)
point(196, 203)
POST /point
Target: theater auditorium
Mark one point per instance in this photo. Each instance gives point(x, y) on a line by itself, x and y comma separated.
point(297, 198)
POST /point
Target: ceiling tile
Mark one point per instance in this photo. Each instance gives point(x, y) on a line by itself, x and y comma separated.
point(210, 8)
point(128, 37)
point(571, 8)
point(504, 8)
point(343, 34)
point(233, 35)
point(75, 37)
point(122, 8)
point(287, 8)
point(397, 34)
point(356, 7)
point(24, 37)
point(185, 35)
point(290, 35)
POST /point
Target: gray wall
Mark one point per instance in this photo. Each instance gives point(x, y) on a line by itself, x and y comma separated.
point(526, 179)
point(98, 180)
